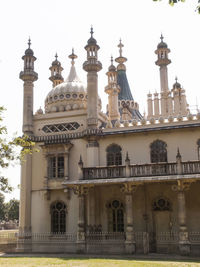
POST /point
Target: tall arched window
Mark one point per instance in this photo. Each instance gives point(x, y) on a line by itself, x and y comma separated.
point(198, 149)
point(58, 217)
point(158, 151)
point(114, 156)
point(116, 216)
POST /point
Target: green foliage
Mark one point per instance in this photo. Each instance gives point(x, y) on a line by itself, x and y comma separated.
point(12, 209)
point(8, 152)
point(2, 207)
point(172, 2)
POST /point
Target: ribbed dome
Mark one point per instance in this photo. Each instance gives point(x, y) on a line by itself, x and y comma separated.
point(71, 85)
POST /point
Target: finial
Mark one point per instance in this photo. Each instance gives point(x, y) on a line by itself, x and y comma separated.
point(72, 56)
point(176, 79)
point(80, 161)
point(91, 31)
point(56, 56)
point(29, 42)
point(161, 37)
point(178, 155)
point(120, 45)
point(111, 59)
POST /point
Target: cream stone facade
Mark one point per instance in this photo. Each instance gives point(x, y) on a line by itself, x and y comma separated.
point(114, 182)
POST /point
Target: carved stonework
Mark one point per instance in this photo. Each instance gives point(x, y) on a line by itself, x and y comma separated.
point(128, 188)
point(182, 186)
point(81, 190)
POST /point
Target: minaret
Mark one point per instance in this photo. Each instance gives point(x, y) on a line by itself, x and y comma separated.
point(162, 61)
point(56, 72)
point(92, 66)
point(28, 75)
point(112, 89)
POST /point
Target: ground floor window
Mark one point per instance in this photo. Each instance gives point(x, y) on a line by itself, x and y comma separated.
point(58, 217)
point(116, 216)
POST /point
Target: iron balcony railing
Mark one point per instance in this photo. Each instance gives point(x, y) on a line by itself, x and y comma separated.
point(142, 170)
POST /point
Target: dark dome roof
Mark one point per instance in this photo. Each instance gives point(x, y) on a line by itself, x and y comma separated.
point(56, 63)
point(162, 45)
point(112, 68)
point(91, 41)
point(29, 52)
point(176, 85)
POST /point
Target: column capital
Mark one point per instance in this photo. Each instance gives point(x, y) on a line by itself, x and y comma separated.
point(81, 190)
point(128, 188)
point(182, 186)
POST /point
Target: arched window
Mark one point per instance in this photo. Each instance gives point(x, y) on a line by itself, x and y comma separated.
point(116, 216)
point(161, 204)
point(58, 217)
point(198, 149)
point(158, 151)
point(114, 156)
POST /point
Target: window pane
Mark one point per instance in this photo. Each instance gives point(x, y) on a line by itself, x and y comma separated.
point(52, 167)
point(60, 167)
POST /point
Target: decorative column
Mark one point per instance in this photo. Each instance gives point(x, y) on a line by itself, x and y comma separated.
point(128, 189)
point(92, 152)
point(81, 191)
point(184, 244)
point(156, 106)
point(150, 105)
point(67, 148)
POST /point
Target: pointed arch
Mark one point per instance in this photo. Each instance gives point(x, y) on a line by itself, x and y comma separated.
point(158, 151)
point(58, 212)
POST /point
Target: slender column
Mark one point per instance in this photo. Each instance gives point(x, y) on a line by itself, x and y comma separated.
point(66, 165)
point(150, 106)
point(81, 191)
point(92, 153)
point(128, 189)
point(156, 106)
point(184, 244)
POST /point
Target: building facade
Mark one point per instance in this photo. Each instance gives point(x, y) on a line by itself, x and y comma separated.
point(114, 182)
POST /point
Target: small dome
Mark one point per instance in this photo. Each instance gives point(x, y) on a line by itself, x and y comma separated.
point(56, 62)
point(162, 44)
point(91, 40)
point(112, 68)
point(176, 84)
point(29, 52)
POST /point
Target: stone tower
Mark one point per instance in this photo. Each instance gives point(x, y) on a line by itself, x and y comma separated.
point(56, 72)
point(28, 75)
point(112, 89)
point(162, 61)
point(92, 66)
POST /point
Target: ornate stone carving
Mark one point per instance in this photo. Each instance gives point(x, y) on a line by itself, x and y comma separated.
point(128, 188)
point(81, 190)
point(181, 186)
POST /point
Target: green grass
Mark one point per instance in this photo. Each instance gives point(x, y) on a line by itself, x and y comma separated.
point(92, 262)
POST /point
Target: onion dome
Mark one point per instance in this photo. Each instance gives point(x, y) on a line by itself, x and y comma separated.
point(162, 44)
point(112, 67)
point(176, 85)
point(91, 41)
point(29, 51)
point(56, 62)
point(68, 95)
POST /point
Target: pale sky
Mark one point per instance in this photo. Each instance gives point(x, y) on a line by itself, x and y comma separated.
point(57, 26)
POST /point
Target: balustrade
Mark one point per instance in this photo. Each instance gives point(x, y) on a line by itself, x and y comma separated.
point(141, 170)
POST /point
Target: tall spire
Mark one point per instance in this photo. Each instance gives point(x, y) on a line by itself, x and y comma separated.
point(125, 96)
point(72, 74)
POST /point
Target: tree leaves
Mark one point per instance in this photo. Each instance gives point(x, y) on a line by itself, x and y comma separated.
point(172, 2)
point(8, 151)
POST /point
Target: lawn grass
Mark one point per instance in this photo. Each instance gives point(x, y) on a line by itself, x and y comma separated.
point(92, 262)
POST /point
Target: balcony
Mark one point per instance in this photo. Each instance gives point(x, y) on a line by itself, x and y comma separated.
point(142, 170)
